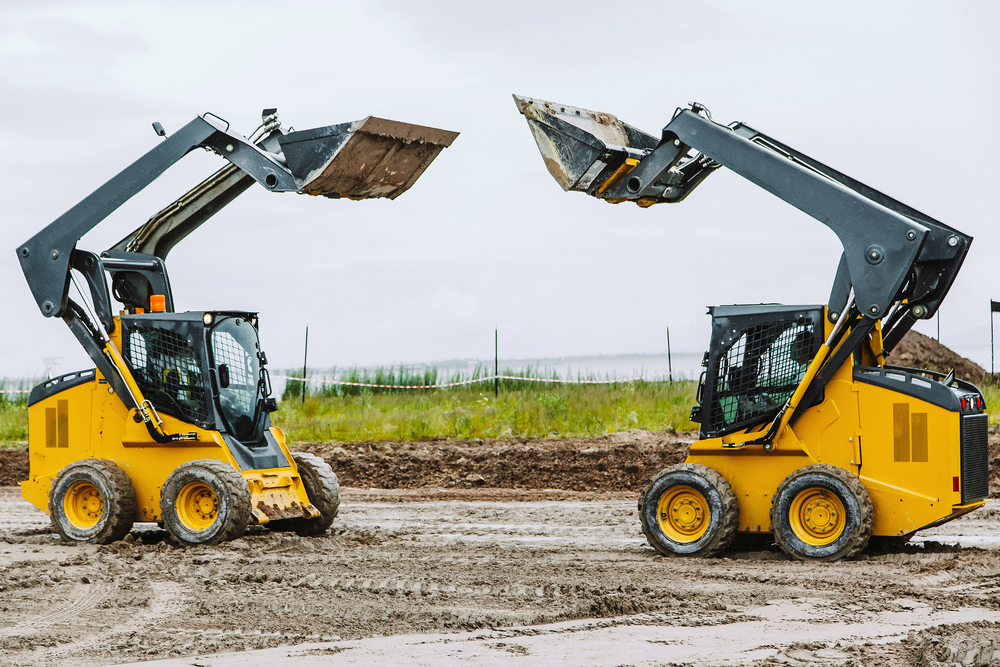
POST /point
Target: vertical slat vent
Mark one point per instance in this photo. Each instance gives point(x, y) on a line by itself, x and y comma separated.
point(975, 458)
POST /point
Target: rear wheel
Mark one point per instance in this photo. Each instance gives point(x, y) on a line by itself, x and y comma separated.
point(92, 500)
point(689, 510)
point(822, 512)
point(205, 502)
point(323, 490)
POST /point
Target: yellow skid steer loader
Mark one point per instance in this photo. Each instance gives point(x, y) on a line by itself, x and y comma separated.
point(806, 433)
point(173, 424)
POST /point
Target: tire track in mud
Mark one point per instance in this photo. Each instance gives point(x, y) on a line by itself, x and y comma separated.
point(391, 568)
point(96, 593)
point(168, 598)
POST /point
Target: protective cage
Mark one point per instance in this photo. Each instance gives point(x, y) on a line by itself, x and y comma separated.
point(167, 358)
point(757, 357)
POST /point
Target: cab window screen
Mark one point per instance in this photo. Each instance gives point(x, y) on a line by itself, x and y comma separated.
point(168, 371)
point(758, 372)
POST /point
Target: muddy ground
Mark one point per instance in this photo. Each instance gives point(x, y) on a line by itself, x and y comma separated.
point(484, 553)
point(399, 562)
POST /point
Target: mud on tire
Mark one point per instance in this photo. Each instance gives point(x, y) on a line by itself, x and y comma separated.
point(689, 510)
point(205, 502)
point(92, 500)
point(823, 537)
point(323, 490)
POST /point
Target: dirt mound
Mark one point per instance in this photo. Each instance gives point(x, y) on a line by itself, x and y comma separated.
point(613, 462)
point(919, 351)
point(13, 466)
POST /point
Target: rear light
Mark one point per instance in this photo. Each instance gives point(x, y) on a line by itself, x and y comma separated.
point(963, 403)
point(955, 486)
point(980, 403)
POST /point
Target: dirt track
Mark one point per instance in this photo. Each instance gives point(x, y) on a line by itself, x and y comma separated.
point(493, 552)
point(399, 563)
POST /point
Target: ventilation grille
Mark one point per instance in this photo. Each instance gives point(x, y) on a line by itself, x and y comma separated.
point(975, 458)
point(168, 372)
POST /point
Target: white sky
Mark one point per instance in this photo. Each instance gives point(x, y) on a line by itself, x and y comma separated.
point(900, 95)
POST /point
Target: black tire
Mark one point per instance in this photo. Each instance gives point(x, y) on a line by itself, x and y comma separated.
point(798, 531)
point(92, 500)
point(323, 490)
point(205, 502)
point(708, 535)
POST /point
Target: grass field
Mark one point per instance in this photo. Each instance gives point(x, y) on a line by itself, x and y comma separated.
point(522, 409)
point(13, 418)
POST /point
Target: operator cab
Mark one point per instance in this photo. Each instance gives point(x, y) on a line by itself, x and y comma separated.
point(207, 369)
point(757, 356)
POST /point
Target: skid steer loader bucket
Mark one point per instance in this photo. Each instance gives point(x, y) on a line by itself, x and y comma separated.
point(578, 144)
point(365, 159)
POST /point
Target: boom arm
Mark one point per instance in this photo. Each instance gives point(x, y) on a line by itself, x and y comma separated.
point(361, 160)
point(364, 159)
point(899, 262)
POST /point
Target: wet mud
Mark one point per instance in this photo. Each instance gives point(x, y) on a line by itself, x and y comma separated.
point(484, 560)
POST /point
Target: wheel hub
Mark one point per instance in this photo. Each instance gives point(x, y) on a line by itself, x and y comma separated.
point(817, 516)
point(683, 514)
point(197, 506)
point(83, 504)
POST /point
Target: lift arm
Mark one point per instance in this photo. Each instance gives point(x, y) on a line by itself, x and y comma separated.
point(360, 160)
point(899, 262)
point(365, 159)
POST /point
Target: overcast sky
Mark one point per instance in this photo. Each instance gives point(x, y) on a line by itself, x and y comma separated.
point(900, 95)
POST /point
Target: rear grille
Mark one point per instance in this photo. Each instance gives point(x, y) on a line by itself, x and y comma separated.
point(975, 458)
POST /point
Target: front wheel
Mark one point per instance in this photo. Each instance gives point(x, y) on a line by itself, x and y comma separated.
point(92, 500)
point(323, 489)
point(689, 510)
point(205, 502)
point(823, 513)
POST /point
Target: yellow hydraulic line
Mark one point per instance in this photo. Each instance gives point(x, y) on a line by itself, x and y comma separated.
point(623, 169)
point(783, 417)
point(116, 359)
point(814, 366)
point(144, 406)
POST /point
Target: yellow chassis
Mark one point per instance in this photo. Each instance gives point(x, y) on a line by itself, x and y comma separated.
point(89, 421)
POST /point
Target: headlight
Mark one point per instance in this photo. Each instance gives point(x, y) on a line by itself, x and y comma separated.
point(207, 319)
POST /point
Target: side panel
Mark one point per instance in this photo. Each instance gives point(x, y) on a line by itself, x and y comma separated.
point(911, 459)
point(59, 432)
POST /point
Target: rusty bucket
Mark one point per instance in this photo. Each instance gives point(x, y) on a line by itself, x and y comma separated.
point(578, 144)
point(366, 159)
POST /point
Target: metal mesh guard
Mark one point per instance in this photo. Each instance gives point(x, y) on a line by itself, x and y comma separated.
point(759, 372)
point(168, 372)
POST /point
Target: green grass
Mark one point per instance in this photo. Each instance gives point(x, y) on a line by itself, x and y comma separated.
point(992, 395)
point(13, 418)
point(523, 409)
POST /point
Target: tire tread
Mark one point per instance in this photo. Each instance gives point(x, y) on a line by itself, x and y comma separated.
point(121, 506)
point(730, 510)
point(858, 541)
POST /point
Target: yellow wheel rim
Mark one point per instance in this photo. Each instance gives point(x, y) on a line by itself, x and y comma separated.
point(197, 506)
point(683, 514)
point(817, 516)
point(83, 504)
